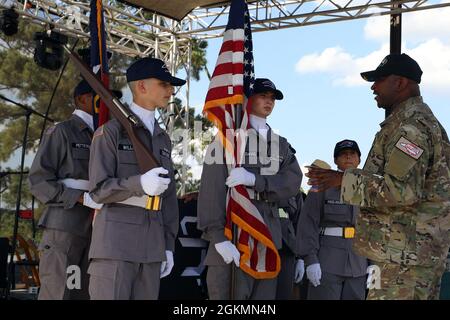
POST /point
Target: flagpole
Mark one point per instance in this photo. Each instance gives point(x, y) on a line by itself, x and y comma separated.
point(237, 122)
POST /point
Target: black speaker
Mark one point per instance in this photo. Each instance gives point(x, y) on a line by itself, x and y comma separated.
point(4, 249)
point(187, 281)
point(9, 23)
point(49, 51)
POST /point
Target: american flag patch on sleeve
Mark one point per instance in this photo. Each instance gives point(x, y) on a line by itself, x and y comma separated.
point(409, 148)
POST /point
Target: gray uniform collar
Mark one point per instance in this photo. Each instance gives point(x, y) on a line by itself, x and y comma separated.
point(157, 130)
point(79, 123)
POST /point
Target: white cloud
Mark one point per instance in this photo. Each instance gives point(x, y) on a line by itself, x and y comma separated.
point(425, 38)
point(331, 59)
point(343, 67)
point(417, 26)
point(433, 57)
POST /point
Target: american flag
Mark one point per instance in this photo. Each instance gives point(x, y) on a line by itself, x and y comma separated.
point(99, 60)
point(227, 100)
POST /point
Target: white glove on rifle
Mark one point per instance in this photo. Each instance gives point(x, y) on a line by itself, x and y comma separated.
point(166, 266)
point(229, 252)
point(314, 274)
point(299, 270)
point(372, 276)
point(88, 202)
point(240, 176)
point(152, 183)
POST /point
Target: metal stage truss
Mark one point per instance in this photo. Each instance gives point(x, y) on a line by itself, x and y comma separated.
point(138, 32)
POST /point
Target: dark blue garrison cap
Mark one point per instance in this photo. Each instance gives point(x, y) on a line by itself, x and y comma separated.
point(152, 68)
point(346, 144)
point(264, 85)
point(83, 87)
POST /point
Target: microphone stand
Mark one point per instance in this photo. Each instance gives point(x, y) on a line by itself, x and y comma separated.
point(28, 112)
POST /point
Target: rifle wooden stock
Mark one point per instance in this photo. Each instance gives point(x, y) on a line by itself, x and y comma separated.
point(128, 120)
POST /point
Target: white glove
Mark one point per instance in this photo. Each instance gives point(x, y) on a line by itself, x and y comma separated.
point(229, 252)
point(240, 176)
point(314, 273)
point(299, 270)
point(166, 266)
point(372, 276)
point(152, 183)
point(88, 202)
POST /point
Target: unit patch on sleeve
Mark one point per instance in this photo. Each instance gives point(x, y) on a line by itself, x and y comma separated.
point(409, 148)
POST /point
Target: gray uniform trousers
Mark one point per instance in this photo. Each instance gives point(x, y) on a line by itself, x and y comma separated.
point(123, 280)
point(290, 209)
point(285, 279)
point(128, 242)
point(59, 250)
point(335, 287)
point(63, 153)
point(282, 184)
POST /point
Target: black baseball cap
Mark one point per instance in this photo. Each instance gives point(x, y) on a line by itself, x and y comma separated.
point(83, 87)
point(346, 144)
point(264, 85)
point(398, 64)
point(152, 68)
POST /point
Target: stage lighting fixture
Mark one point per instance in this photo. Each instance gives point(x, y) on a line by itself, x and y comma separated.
point(9, 23)
point(49, 51)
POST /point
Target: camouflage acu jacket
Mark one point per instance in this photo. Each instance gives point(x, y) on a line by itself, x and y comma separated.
point(403, 190)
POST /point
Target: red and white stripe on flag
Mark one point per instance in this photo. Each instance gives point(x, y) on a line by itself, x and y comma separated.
point(231, 86)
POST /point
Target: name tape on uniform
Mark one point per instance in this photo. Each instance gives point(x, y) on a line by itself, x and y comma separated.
point(80, 145)
point(126, 147)
point(337, 202)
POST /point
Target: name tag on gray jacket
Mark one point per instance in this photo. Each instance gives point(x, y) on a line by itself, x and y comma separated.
point(126, 147)
point(336, 202)
point(80, 145)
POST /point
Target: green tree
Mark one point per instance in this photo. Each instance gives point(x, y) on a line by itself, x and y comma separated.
point(198, 58)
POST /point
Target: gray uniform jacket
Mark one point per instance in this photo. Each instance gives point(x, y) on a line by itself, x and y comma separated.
point(125, 232)
point(63, 153)
point(292, 207)
point(211, 208)
point(335, 254)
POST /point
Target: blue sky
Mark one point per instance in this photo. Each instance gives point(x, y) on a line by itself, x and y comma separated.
point(317, 68)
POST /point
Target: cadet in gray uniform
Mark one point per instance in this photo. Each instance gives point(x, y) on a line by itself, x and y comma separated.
point(326, 228)
point(265, 190)
point(58, 178)
point(289, 210)
point(132, 246)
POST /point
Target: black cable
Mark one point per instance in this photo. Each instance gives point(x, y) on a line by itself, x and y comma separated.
point(54, 92)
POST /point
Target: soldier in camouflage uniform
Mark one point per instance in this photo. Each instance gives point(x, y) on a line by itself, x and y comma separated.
point(403, 189)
